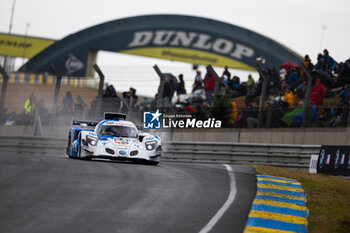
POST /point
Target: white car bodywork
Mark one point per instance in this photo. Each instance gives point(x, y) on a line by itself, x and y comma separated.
point(133, 145)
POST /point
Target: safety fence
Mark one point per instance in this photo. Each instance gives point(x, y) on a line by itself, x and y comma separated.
point(281, 155)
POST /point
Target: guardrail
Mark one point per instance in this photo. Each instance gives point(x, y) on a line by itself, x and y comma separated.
point(32, 145)
point(281, 155)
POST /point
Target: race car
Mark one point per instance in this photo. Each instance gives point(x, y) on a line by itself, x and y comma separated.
point(113, 138)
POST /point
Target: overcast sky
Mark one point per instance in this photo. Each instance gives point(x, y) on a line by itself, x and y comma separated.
point(305, 26)
point(298, 24)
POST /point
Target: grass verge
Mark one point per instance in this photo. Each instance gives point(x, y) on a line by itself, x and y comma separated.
point(328, 198)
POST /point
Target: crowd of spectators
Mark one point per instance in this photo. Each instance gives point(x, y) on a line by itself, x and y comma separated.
point(286, 93)
point(285, 100)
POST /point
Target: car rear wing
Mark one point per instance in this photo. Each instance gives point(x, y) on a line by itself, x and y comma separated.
point(114, 116)
point(84, 123)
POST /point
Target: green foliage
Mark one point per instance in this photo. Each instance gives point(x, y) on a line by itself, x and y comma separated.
point(222, 109)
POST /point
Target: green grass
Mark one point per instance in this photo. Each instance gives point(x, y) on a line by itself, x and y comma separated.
point(328, 198)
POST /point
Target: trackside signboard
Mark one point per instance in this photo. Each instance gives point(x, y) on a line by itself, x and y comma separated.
point(334, 160)
point(22, 46)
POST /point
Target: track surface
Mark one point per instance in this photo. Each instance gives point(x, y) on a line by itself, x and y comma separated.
point(49, 193)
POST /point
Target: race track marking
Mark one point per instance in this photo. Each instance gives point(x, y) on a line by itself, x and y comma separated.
point(227, 204)
point(279, 206)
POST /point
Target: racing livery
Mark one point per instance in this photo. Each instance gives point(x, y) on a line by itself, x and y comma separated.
point(112, 138)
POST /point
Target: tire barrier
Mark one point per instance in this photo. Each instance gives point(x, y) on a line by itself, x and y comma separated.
point(334, 160)
point(279, 206)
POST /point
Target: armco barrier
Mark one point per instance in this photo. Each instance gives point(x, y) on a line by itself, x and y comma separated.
point(281, 155)
point(32, 145)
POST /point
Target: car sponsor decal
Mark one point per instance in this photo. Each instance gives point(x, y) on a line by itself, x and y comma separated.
point(118, 123)
point(122, 152)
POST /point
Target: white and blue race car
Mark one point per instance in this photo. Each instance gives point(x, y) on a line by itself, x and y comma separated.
point(113, 138)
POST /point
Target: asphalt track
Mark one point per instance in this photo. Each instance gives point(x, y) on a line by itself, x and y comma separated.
point(52, 193)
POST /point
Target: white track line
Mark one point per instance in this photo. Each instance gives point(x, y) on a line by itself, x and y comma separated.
point(226, 205)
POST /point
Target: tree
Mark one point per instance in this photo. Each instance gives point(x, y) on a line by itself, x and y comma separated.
point(222, 109)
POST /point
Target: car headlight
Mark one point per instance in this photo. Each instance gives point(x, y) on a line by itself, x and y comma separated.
point(151, 145)
point(91, 140)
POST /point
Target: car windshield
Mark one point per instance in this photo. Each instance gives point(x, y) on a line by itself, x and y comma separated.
point(118, 131)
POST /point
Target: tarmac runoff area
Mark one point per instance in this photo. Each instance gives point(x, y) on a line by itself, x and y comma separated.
point(279, 206)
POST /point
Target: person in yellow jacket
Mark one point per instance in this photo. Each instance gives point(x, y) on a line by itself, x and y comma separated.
point(28, 107)
point(28, 111)
point(288, 97)
point(234, 110)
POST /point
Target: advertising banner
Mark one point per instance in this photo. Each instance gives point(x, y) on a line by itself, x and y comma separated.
point(334, 160)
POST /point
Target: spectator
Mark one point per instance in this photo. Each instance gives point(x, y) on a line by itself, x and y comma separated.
point(308, 65)
point(293, 78)
point(320, 65)
point(234, 110)
point(344, 96)
point(236, 84)
point(198, 82)
point(288, 98)
point(209, 86)
point(250, 82)
point(68, 107)
point(28, 107)
point(181, 86)
point(252, 117)
point(227, 73)
point(250, 96)
point(68, 103)
point(289, 117)
point(276, 112)
point(317, 93)
point(274, 83)
point(133, 97)
point(329, 61)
